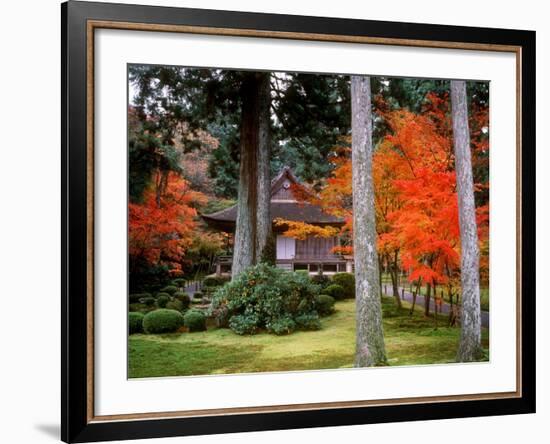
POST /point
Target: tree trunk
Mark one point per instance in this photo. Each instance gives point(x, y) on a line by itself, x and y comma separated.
point(427, 299)
point(370, 349)
point(470, 338)
point(244, 249)
point(414, 293)
point(263, 215)
point(394, 274)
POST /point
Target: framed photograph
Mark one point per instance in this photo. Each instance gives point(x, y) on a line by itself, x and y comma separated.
point(276, 221)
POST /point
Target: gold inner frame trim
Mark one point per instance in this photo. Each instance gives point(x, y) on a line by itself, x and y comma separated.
point(92, 25)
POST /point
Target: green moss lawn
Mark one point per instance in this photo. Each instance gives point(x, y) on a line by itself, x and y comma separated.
point(409, 341)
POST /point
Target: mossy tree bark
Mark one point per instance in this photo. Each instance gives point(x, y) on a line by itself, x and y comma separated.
point(370, 348)
point(253, 224)
point(470, 338)
point(263, 216)
point(244, 249)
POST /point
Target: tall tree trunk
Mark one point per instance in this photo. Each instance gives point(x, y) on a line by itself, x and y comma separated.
point(244, 249)
point(370, 349)
point(470, 338)
point(394, 273)
point(263, 215)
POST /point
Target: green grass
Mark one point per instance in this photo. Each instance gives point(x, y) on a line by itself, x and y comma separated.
point(409, 341)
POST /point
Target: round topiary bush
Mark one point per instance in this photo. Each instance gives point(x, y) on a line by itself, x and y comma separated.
point(321, 279)
point(170, 289)
point(175, 305)
point(162, 320)
point(336, 291)
point(163, 299)
point(347, 282)
point(184, 299)
point(135, 322)
point(179, 282)
point(324, 304)
point(213, 281)
point(195, 320)
point(149, 301)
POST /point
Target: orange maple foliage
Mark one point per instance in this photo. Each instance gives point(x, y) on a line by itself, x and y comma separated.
point(161, 227)
point(415, 191)
point(302, 230)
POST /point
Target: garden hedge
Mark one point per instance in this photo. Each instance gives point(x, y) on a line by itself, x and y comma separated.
point(135, 322)
point(162, 320)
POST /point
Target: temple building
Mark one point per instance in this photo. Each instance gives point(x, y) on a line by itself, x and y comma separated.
point(313, 254)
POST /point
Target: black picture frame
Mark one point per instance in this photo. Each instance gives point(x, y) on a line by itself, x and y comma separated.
point(76, 423)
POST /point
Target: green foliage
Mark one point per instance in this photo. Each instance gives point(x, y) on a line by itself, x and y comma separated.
point(184, 299)
point(336, 291)
point(308, 321)
point(162, 320)
point(322, 280)
point(137, 297)
point(149, 301)
point(135, 322)
point(178, 282)
point(214, 281)
point(170, 289)
point(221, 316)
point(163, 299)
point(262, 296)
point(347, 282)
point(175, 305)
point(245, 324)
point(281, 326)
point(195, 320)
point(324, 304)
point(137, 306)
point(197, 295)
point(147, 277)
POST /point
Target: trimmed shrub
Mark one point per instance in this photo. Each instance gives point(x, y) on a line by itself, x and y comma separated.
point(149, 301)
point(197, 295)
point(347, 282)
point(162, 320)
point(308, 321)
point(262, 296)
point(184, 299)
point(281, 326)
point(179, 282)
point(321, 279)
point(336, 291)
point(175, 305)
point(213, 281)
point(170, 289)
point(195, 320)
point(324, 304)
point(137, 297)
point(135, 322)
point(163, 299)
